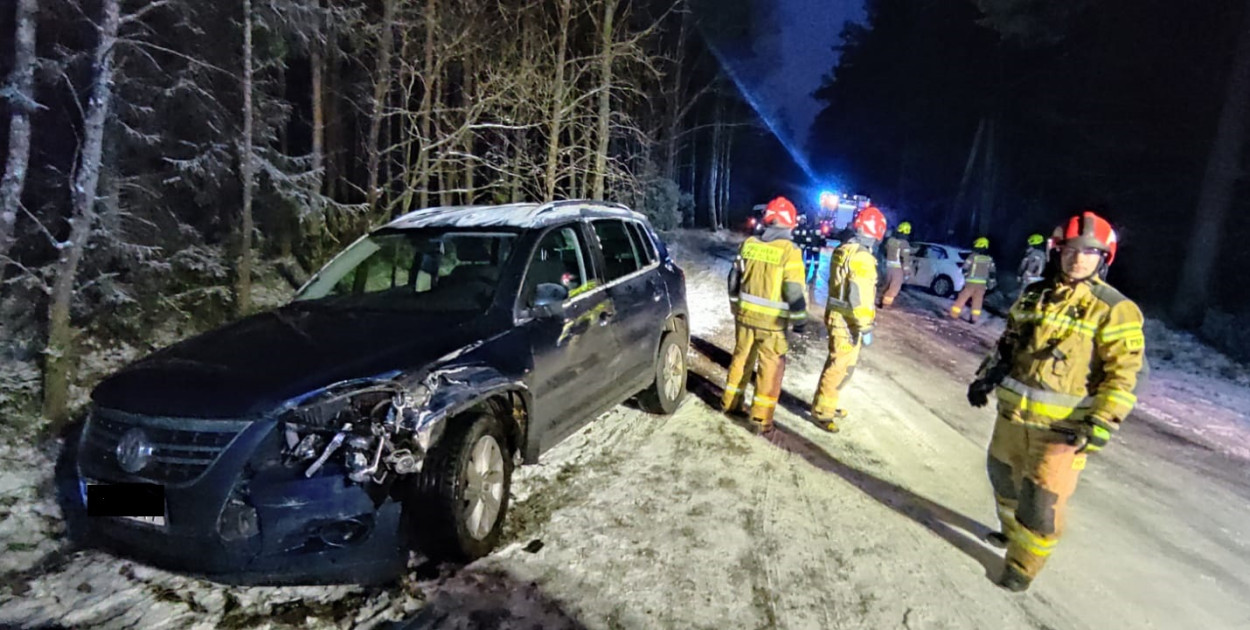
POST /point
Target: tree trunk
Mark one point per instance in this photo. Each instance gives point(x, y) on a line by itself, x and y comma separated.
point(59, 352)
point(21, 104)
point(952, 217)
point(333, 121)
point(243, 269)
point(989, 183)
point(675, 105)
point(470, 88)
point(1219, 184)
point(515, 185)
point(556, 120)
point(605, 99)
point(316, 63)
point(714, 169)
point(381, 88)
point(427, 104)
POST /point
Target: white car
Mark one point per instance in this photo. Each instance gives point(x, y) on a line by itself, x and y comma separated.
point(939, 268)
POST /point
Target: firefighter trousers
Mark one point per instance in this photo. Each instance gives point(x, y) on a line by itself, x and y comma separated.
point(1033, 472)
point(893, 284)
point(971, 291)
point(762, 353)
point(843, 355)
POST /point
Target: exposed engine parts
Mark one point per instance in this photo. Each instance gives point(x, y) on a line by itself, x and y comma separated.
point(372, 430)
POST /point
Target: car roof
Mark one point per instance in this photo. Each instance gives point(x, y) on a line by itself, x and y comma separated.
point(514, 215)
point(945, 246)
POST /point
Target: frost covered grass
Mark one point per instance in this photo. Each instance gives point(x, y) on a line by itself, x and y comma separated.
point(1185, 352)
point(30, 520)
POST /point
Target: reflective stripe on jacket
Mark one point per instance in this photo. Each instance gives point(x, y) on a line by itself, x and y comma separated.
point(853, 286)
point(978, 268)
point(1070, 353)
point(897, 252)
point(767, 285)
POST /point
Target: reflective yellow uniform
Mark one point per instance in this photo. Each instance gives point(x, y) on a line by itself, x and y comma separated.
point(897, 262)
point(977, 271)
point(767, 292)
point(1070, 355)
point(850, 313)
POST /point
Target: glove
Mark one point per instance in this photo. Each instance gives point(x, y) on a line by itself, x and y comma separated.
point(979, 393)
point(1088, 436)
point(866, 339)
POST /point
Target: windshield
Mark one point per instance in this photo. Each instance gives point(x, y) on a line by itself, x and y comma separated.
point(424, 270)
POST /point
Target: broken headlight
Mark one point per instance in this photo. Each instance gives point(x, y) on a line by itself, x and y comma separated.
point(371, 428)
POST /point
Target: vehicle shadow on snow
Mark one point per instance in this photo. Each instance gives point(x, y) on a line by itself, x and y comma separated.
point(962, 532)
point(489, 598)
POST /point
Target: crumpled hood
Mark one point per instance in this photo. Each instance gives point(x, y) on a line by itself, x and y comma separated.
point(251, 366)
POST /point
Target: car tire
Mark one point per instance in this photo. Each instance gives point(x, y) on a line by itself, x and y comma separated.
point(465, 477)
point(942, 286)
point(669, 387)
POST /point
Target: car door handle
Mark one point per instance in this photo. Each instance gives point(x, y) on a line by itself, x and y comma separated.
point(656, 293)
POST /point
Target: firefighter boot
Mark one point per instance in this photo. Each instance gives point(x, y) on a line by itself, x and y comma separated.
point(1013, 579)
point(762, 428)
point(830, 424)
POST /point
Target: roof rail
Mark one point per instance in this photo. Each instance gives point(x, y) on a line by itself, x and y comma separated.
point(554, 205)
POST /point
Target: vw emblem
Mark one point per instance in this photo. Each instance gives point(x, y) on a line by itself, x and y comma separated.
point(134, 451)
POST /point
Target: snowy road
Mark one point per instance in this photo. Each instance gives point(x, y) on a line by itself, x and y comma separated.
point(691, 522)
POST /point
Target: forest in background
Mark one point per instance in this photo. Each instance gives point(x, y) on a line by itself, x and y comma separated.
point(174, 164)
point(1003, 117)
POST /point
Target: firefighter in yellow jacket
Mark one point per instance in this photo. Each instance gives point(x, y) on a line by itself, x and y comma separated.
point(767, 291)
point(977, 268)
point(1066, 374)
point(897, 263)
point(849, 313)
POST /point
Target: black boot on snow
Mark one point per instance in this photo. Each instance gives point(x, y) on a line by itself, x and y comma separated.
point(998, 539)
point(1013, 580)
point(762, 428)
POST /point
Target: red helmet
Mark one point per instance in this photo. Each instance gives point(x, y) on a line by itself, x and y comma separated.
point(870, 222)
point(782, 212)
point(1090, 230)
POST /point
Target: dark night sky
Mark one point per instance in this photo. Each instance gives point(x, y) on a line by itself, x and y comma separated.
point(793, 52)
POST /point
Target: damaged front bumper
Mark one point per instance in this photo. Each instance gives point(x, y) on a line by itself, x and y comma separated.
point(247, 519)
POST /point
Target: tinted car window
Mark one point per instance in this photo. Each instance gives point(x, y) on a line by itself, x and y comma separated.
point(619, 252)
point(642, 243)
point(560, 258)
point(414, 269)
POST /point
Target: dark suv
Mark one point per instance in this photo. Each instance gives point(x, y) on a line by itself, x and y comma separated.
point(385, 407)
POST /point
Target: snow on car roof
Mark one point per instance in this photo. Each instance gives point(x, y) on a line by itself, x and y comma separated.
point(520, 215)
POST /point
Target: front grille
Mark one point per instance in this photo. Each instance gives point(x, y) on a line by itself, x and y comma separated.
point(182, 448)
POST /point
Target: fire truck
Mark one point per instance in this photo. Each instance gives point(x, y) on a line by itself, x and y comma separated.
point(837, 211)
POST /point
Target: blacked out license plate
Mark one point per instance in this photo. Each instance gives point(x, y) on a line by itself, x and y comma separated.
point(138, 502)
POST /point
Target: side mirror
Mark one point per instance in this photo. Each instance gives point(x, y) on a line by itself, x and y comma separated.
point(549, 300)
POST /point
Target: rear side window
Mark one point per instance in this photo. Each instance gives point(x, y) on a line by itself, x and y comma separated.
point(560, 259)
point(643, 243)
point(619, 252)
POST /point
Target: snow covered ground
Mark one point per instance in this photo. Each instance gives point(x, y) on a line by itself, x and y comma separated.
point(691, 522)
